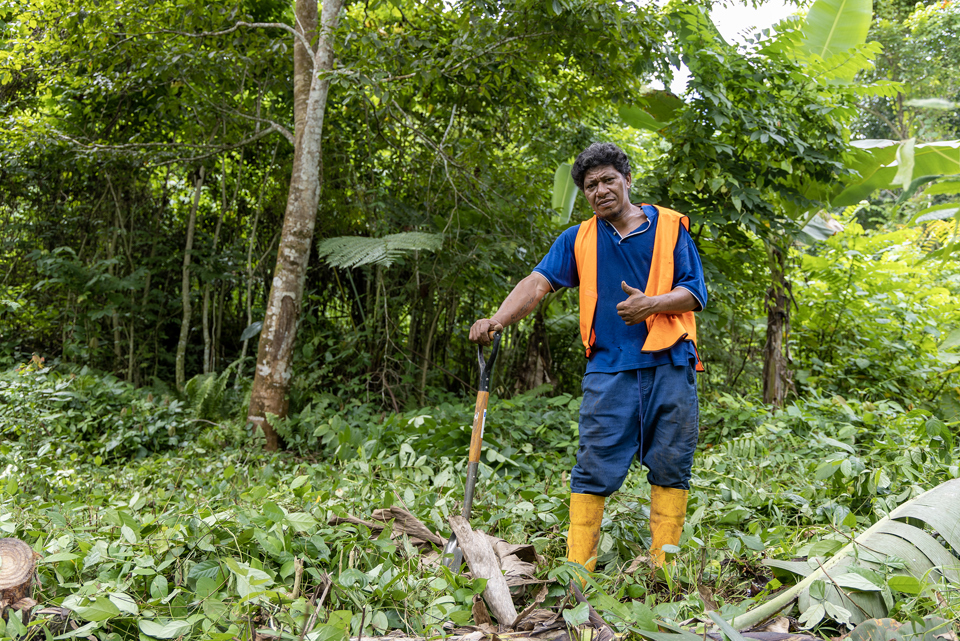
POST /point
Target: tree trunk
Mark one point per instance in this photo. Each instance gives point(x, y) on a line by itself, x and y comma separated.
point(16, 580)
point(776, 355)
point(425, 365)
point(306, 23)
point(275, 354)
point(185, 286)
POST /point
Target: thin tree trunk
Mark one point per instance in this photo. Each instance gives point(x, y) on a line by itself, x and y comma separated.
point(219, 303)
point(205, 308)
point(181, 377)
point(425, 366)
point(776, 371)
point(306, 23)
point(275, 354)
point(155, 233)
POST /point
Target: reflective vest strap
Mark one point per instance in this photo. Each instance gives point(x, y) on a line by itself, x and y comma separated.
point(585, 252)
point(660, 280)
point(666, 330)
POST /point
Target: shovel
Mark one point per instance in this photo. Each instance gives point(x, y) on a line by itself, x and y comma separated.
point(452, 554)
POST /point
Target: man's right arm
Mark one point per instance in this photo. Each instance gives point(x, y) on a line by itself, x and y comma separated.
point(521, 301)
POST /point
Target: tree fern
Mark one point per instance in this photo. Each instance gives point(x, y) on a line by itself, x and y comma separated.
point(205, 393)
point(356, 251)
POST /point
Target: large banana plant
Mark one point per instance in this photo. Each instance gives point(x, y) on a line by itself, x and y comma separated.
point(916, 546)
point(908, 551)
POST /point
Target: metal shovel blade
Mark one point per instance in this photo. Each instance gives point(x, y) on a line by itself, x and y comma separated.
point(452, 554)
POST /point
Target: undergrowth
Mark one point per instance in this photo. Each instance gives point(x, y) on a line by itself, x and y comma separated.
point(153, 519)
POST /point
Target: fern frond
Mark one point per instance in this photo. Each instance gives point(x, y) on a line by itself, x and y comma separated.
point(355, 251)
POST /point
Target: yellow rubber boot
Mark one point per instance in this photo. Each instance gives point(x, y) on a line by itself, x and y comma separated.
point(668, 509)
point(586, 513)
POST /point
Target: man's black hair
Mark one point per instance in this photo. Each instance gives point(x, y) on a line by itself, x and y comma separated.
point(597, 155)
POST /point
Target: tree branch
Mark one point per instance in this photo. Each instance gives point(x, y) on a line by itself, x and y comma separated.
point(213, 149)
point(880, 116)
point(257, 25)
point(494, 46)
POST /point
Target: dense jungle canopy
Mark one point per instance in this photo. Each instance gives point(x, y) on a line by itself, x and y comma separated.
point(156, 188)
point(147, 154)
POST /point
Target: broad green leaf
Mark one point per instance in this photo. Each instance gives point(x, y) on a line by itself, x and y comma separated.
point(100, 609)
point(564, 192)
point(209, 568)
point(907, 584)
point(167, 630)
point(273, 512)
point(577, 615)
point(877, 167)
point(124, 602)
point(299, 481)
point(812, 616)
point(214, 608)
point(159, 587)
point(952, 340)
point(661, 104)
point(915, 185)
point(816, 230)
point(251, 330)
point(252, 581)
point(836, 26)
point(857, 582)
point(949, 185)
point(59, 556)
point(300, 521)
point(83, 631)
point(638, 118)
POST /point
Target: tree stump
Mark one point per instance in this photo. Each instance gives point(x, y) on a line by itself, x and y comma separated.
point(17, 564)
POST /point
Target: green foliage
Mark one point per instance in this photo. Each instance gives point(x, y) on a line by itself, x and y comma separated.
point(355, 251)
point(918, 56)
point(203, 538)
point(871, 323)
point(83, 414)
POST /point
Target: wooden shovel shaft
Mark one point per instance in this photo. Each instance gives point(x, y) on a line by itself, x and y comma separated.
point(452, 554)
point(479, 420)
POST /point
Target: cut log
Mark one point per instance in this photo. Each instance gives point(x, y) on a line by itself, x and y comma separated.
point(17, 563)
point(483, 564)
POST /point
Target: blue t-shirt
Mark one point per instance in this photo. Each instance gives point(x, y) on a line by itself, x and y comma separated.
point(618, 345)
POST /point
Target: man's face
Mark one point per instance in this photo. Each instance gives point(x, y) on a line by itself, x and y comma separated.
point(607, 191)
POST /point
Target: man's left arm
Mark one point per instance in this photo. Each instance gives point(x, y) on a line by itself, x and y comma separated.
point(638, 306)
point(689, 293)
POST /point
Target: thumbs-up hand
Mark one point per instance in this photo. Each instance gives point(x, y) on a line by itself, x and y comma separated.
point(637, 307)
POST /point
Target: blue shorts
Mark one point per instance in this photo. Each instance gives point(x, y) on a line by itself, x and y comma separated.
point(652, 414)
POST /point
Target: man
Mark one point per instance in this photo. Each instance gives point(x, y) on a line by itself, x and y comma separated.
point(640, 281)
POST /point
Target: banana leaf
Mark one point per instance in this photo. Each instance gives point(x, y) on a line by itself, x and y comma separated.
point(927, 554)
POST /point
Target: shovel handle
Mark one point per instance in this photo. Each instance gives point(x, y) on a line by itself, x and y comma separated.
point(479, 420)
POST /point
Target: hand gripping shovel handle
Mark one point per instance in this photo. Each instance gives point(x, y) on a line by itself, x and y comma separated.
point(452, 555)
point(479, 420)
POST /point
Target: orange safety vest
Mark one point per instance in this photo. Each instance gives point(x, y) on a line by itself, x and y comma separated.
point(663, 330)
